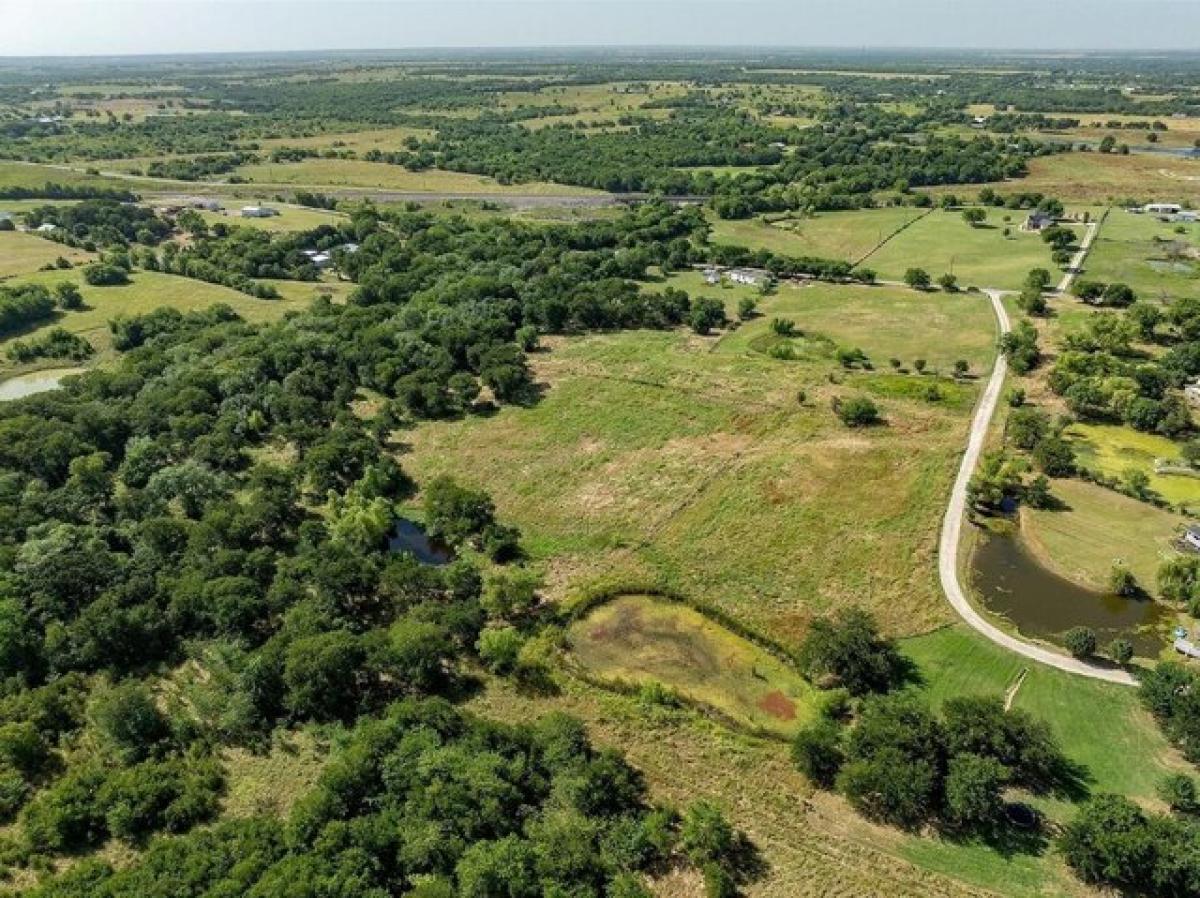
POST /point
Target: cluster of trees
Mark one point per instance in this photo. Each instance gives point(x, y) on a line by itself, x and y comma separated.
point(429, 801)
point(23, 306)
point(53, 191)
point(1115, 295)
point(142, 525)
point(1113, 842)
point(56, 343)
point(102, 222)
point(650, 157)
point(196, 168)
point(896, 761)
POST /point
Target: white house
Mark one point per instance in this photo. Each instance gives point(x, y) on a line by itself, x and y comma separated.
point(744, 276)
point(712, 277)
point(1192, 393)
point(46, 227)
point(1162, 208)
point(1191, 536)
point(258, 211)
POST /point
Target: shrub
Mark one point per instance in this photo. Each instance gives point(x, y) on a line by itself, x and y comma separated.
point(857, 411)
point(1080, 641)
point(817, 751)
point(100, 274)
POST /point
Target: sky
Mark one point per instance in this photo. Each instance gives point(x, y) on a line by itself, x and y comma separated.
point(119, 27)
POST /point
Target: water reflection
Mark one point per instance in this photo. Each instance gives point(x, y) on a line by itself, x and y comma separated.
point(411, 537)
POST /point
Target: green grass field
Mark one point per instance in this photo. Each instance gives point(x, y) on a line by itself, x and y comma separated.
point(290, 218)
point(19, 174)
point(879, 320)
point(1095, 529)
point(685, 462)
point(832, 235)
point(1098, 178)
point(149, 290)
point(1111, 449)
point(23, 253)
point(1148, 255)
point(635, 639)
point(983, 257)
point(319, 173)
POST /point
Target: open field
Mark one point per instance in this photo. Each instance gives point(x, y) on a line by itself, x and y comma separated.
point(983, 257)
point(1111, 449)
point(22, 253)
point(1098, 178)
point(147, 291)
point(833, 235)
point(639, 639)
point(318, 173)
point(1149, 255)
point(19, 174)
point(878, 320)
point(1096, 528)
point(290, 218)
point(653, 458)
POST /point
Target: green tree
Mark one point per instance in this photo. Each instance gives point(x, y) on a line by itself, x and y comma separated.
point(917, 278)
point(973, 791)
point(1080, 641)
point(129, 722)
point(817, 751)
point(849, 649)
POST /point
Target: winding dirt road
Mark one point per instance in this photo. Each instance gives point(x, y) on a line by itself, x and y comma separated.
point(952, 524)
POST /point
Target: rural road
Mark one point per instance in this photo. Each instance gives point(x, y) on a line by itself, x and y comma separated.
point(952, 525)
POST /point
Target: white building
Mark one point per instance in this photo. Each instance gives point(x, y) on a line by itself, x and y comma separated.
point(1162, 208)
point(46, 227)
point(258, 211)
point(1191, 536)
point(744, 276)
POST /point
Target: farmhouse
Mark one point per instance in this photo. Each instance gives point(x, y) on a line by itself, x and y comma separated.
point(319, 258)
point(258, 211)
point(745, 276)
point(46, 227)
point(712, 277)
point(1162, 208)
point(1038, 221)
point(1191, 537)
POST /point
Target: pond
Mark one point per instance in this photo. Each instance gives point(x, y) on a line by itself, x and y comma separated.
point(411, 537)
point(1012, 583)
point(35, 382)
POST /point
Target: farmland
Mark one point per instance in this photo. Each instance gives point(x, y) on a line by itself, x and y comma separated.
point(647, 509)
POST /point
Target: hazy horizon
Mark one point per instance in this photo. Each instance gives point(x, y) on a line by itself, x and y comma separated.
point(172, 27)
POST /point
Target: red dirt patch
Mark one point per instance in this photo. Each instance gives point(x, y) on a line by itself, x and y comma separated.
point(778, 705)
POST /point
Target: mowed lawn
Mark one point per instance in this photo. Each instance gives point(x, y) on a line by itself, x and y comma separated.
point(1113, 449)
point(1149, 255)
point(24, 253)
point(637, 639)
point(833, 235)
point(1100, 726)
point(671, 460)
point(982, 257)
point(1096, 528)
point(290, 218)
point(318, 173)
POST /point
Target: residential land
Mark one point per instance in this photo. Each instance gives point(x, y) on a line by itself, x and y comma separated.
point(1112, 450)
point(834, 235)
point(978, 256)
point(1091, 531)
point(1159, 260)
